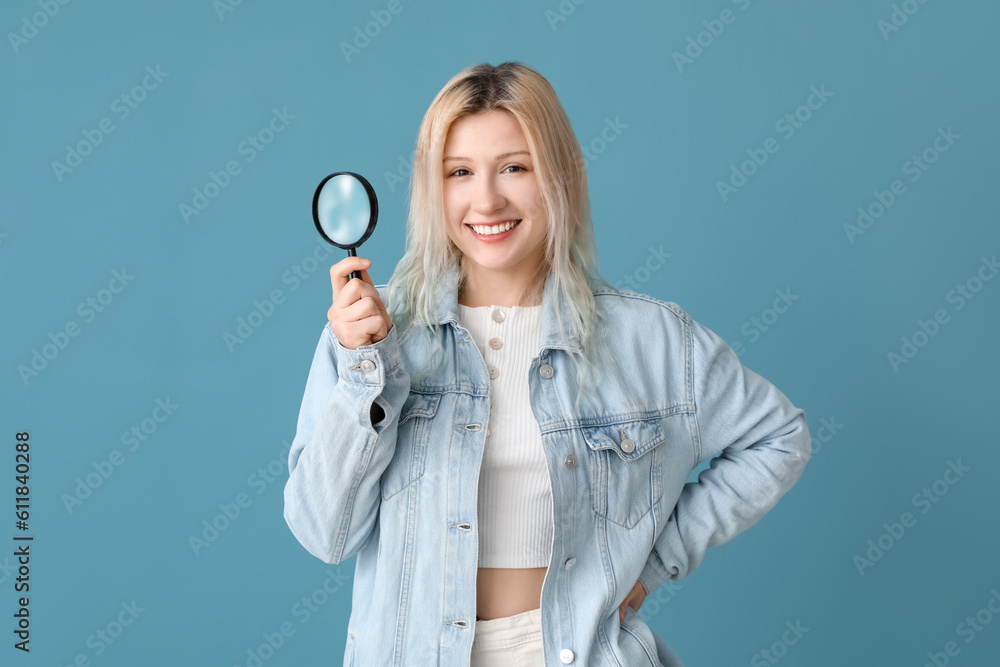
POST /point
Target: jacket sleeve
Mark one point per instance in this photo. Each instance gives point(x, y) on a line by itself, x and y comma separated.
point(337, 456)
point(760, 443)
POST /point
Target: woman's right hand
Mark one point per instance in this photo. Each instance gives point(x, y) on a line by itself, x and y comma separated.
point(358, 316)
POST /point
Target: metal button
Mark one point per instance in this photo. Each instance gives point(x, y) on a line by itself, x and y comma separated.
point(566, 656)
point(494, 372)
point(571, 461)
point(496, 343)
point(546, 371)
point(627, 445)
point(368, 365)
point(570, 563)
point(499, 315)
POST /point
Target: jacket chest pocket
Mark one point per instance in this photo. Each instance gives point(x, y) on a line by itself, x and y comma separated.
point(412, 434)
point(625, 476)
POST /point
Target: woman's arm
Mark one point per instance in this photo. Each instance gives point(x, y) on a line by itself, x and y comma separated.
point(762, 442)
point(344, 440)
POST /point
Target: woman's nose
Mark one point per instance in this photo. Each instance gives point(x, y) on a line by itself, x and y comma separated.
point(488, 197)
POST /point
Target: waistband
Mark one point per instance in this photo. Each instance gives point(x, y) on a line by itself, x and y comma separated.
point(509, 631)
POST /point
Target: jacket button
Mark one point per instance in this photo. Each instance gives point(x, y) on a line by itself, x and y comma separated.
point(494, 372)
point(545, 371)
point(570, 563)
point(498, 315)
point(628, 446)
point(496, 343)
point(571, 461)
point(368, 365)
point(566, 656)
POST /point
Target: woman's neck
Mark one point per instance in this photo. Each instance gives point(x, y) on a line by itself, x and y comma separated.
point(480, 289)
point(495, 296)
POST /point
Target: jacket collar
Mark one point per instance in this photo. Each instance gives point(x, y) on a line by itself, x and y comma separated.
point(446, 297)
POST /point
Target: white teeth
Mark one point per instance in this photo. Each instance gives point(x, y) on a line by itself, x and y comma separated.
point(487, 230)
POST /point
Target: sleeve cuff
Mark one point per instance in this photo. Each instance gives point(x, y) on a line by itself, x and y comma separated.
point(369, 365)
point(652, 575)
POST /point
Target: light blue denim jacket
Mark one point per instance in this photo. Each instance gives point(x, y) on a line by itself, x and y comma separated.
point(402, 494)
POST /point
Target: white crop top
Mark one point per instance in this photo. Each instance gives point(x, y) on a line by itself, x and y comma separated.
point(515, 492)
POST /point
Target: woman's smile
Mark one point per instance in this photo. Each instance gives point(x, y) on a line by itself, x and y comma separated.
point(493, 232)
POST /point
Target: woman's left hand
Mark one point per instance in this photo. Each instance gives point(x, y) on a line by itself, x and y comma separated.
point(633, 599)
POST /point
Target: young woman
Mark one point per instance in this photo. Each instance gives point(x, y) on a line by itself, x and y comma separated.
point(506, 453)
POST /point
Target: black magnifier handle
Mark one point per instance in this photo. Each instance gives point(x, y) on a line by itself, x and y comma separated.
point(351, 252)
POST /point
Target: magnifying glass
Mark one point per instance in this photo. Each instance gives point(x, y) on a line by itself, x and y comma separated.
point(345, 210)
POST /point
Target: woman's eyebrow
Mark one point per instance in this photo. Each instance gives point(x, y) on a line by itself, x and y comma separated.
point(497, 158)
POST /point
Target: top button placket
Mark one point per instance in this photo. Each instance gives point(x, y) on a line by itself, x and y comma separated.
point(498, 316)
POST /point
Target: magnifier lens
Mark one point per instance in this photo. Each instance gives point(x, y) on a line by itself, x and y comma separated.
point(343, 209)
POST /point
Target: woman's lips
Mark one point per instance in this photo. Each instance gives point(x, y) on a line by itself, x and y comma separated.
point(493, 238)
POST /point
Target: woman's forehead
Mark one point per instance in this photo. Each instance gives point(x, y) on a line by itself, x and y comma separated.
point(484, 132)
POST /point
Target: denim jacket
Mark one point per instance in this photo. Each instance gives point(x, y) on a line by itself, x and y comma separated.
point(402, 494)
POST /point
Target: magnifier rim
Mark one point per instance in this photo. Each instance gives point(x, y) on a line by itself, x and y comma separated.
point(372, 205)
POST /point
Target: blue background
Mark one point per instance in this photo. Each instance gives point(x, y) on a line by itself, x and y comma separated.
point(682, 126)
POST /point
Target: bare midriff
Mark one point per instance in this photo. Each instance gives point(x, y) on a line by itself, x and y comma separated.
point(504, 592)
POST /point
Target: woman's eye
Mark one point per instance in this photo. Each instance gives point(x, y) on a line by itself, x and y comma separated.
point(515, 166)
point(457, 172)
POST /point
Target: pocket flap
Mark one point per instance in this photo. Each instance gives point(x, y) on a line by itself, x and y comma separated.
point(419, 405)
point(643, 434)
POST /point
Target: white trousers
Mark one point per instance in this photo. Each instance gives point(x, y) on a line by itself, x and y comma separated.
point(511, 641)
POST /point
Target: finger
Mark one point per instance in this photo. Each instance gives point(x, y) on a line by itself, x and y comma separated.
point(354, 290)
point(374, 292)
point(367, 278)
point(383, 330)
point(366, 319)
point(341, 271)
point(373, 326)
point(362, 310)
point(362, 331)
point(381, 305)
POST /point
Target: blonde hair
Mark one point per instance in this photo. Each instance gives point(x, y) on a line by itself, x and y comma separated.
point(570, 251)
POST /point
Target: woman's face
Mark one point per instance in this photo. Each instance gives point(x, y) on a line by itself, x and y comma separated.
point(489, 180)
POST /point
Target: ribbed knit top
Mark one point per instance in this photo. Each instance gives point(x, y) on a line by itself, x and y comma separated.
point(515, 492)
